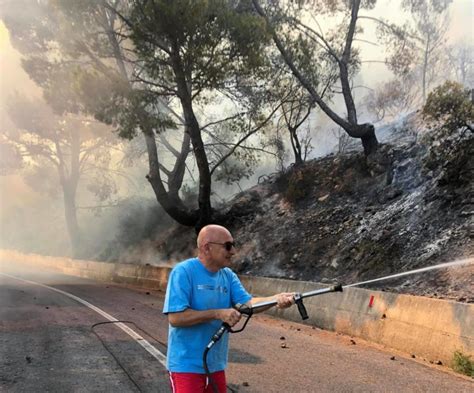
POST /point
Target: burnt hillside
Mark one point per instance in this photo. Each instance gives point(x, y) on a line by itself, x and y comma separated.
point(343, 218)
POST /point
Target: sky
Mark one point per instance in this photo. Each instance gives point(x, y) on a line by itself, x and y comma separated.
point(14, 193)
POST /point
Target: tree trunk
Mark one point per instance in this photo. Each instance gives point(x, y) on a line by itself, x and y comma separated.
point(74, 232)
point(173, 206)
point(344, 64)
point(194, 131)
point(204, 197)
point(365, 132)
point(296, 146)
point(369, 140)
point(175, 180)
point(69, 180)
point(425, 68)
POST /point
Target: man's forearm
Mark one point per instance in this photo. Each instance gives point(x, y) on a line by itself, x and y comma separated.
point(256, 300)
point(283, 300)
point(191, 317)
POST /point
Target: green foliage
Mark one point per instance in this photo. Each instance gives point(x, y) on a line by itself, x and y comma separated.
point(241, 165)
point(214, 40)
point(449, 107)
point(131, 64)
point(112, 101)
point(450, 113)
point(463, 364)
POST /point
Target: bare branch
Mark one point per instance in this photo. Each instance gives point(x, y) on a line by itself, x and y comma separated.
point(243, 139)
point(223, 120)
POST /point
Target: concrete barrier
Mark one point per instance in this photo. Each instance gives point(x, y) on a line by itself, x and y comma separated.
point(432, 329)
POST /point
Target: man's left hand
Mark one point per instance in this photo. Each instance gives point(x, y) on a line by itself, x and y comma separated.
point(285, 299)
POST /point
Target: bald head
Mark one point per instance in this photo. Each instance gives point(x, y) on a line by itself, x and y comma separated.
point(212, 233)
point(213, 247)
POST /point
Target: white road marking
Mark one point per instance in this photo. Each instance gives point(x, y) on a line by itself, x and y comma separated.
point(139, 339)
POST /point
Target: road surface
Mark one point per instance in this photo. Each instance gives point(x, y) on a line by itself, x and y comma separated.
point(50, 342)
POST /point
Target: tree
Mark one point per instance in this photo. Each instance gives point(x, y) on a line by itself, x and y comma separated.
point(393, 98)
point(414, 50)
point(461, 62)
point(337, 49)
point(137, 66)
point(190, 50)
point(296, 103)
point(427, 34)
point(56, 152)
point(295, 110)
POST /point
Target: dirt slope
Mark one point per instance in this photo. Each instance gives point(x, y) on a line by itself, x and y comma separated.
point(343, 218)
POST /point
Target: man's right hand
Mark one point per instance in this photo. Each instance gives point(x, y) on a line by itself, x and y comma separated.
point(229, 316)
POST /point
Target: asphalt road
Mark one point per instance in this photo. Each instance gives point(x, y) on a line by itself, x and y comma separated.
point(48, 343)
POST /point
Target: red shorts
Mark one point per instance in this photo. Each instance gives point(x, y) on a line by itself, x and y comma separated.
point(197, 383)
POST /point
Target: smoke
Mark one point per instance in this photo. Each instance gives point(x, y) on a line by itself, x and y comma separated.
point(29, 221)
point(128, 228)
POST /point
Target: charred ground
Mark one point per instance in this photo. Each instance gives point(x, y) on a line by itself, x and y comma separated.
point(347, 219)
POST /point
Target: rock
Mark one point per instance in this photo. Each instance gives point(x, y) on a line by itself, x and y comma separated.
point(245, 384)
point(392, 358)
point(353, 342)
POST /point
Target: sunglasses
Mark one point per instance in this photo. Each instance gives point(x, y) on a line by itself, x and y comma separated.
point(228, 245)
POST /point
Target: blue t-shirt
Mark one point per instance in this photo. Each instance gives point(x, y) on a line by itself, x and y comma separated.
point(191, 285)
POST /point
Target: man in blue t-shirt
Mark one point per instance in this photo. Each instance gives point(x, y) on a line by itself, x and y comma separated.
point(200, 296)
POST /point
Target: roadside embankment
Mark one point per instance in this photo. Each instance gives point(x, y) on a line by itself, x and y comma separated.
point(427, 328)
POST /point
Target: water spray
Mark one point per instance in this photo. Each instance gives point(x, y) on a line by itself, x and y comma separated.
point(248, 310)
point(461, 262)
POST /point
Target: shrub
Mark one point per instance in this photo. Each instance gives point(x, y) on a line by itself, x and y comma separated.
point(449, 106)
point(463, 364)
point(450, 113)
